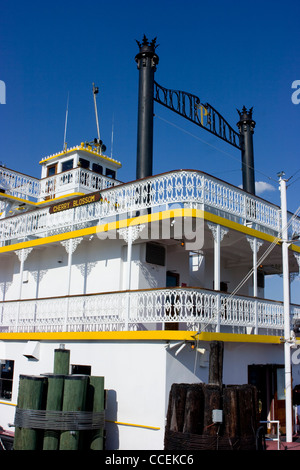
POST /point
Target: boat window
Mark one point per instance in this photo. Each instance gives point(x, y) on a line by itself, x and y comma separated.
point(51, 170)
point(110, 173)
point(260, 278)
point(84, 163)
point(97, 168)
point(68, 165)
point(155, 254)
point(6, 378)
point(80, 369)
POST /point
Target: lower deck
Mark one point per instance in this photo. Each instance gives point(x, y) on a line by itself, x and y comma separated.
point(139, 368)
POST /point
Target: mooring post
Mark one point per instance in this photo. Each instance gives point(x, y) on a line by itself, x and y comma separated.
point(30, 397)
point(54, 403)
point(216, 363)
point(146, 60)
point(61, 361)
point(95, 402)
point(74, 399)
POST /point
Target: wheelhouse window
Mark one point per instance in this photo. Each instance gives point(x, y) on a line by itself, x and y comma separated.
point(67, 165)
point(51, 170)
point(83, 163)
point(6, 378)
point(110, 173)
point(97, 168)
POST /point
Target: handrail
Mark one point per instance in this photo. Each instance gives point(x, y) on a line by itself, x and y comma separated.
point(18, 184)
point(76, 177)
point(182, 187)
point(278, 431)
point(194, 308)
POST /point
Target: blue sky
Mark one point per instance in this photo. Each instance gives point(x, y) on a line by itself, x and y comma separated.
point(229, 54)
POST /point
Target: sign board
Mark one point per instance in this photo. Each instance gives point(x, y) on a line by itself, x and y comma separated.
point(79, 201)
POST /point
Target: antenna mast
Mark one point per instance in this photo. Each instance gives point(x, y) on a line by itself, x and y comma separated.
point(112, 138)
point(95, 92)
point(66, 121)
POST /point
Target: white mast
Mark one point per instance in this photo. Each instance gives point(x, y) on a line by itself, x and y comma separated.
point(66, 121)
point(286, 307)
point(112, 138)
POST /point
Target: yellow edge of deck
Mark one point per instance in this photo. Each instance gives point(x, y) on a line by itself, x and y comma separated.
point(161, 335)
point(106, 227)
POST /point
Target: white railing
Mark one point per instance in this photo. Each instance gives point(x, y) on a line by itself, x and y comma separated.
point(18, 185)
point(26, 187)
point(181, 188)
point(72, 181)
point(192, 308)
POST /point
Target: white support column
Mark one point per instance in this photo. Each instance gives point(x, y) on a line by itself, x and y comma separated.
point(286, 307)
point(218, 234)
point(70, 246)
point(22, 255)
point(129, 234)
point(255, 246)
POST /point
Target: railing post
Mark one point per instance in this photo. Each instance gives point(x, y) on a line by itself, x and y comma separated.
point(218, 301)
point(256, 317)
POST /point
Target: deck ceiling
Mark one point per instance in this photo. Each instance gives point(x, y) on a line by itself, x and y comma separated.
point(235, 248)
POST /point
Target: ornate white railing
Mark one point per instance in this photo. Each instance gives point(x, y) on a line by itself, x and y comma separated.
point(26, 187)
point(18, 185)
point(77, 179)
point(174, 189)
point(191, 308)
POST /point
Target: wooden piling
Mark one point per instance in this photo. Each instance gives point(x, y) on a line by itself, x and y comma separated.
point(74, 399)
point(54, 403)
point(30, 397)
point(95, 403)
point(176, 408)
point(196, 429)
point(231, 411)
point(61, 361)
point(194, 410)
point(212, 401)
point(216, 363)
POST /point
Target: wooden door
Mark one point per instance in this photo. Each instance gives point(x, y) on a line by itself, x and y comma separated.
point(270, 382)
point(50, 188)
point(279, 397)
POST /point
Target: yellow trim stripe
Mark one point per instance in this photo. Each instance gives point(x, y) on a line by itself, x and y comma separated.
point(36, 204)
point(160, 335)
point(197, 213)
point(131, 424)
point(82, 149)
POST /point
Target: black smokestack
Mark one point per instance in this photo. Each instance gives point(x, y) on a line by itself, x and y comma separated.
point(146, 60)
point(246, 127)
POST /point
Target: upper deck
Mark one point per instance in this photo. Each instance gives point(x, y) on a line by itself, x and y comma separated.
point(176, 189)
